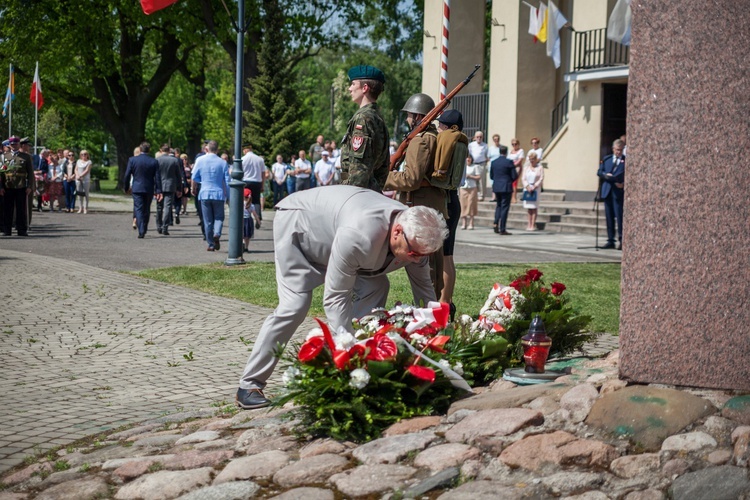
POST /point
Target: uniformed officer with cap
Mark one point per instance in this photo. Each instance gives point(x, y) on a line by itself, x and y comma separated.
point(364, 148)
point(16, 184)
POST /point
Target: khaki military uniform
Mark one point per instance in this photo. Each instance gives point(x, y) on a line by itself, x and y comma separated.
point(415, 189)
point(364, 150)
point(16, 177)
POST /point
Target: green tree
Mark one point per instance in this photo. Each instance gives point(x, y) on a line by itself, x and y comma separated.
point(272, 123)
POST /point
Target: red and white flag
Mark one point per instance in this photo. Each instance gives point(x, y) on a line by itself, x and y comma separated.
point(36, 90)
point(151, 6)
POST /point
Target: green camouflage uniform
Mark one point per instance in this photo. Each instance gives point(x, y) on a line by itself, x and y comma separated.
point(364, 150)
point(16, 172)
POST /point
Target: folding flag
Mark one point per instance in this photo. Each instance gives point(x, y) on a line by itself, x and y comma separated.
point(36, 90)
point(151, 6)
point(10, 93)
point(555, 22)
point(618, 28)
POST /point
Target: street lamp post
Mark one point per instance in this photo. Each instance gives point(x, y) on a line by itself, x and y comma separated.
point(236, 186)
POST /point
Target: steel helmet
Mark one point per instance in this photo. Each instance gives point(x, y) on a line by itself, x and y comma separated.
point(420, 104)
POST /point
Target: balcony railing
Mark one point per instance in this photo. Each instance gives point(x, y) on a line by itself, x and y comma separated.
point(592, 49)
point(559, 115)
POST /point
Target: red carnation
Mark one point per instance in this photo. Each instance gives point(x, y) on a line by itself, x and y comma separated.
point(533, 274)
point(422, 373)
point(557, 288)
point(311, 349)
point(341, 359)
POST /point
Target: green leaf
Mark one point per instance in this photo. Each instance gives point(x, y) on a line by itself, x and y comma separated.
point(494, 347)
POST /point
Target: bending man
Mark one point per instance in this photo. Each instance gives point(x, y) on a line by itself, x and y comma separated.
point(348, 239)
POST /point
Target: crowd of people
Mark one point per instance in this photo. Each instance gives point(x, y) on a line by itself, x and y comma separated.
point(55, 180)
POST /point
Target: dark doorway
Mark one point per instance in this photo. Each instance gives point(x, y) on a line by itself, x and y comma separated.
point(614, 114)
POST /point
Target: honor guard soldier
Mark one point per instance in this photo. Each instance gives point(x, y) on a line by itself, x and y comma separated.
point(16, 184)
point(364, 148)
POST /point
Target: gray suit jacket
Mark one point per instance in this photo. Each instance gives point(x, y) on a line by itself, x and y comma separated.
point(169, 171)
point(339, 235)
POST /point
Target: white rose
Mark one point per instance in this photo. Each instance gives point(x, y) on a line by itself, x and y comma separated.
point(459, 368)
point(466, 319)
point(359, 378)
point(343, 340)
point(444, 364)
point(290, 375)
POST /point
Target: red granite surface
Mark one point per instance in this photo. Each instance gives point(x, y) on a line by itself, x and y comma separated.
point(685, 306)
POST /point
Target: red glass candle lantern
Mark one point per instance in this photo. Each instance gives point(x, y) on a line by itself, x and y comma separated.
point(536, 345)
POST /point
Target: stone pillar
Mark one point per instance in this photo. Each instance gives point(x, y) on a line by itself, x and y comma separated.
point(685, 313)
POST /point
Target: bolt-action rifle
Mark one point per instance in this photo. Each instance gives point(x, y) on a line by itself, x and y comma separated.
point(428, 118)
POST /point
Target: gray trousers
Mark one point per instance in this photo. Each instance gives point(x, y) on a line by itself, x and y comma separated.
point(280, 326)
point(164, 210)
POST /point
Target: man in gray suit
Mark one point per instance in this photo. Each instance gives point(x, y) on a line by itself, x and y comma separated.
point(348, 239)
point(170, 170)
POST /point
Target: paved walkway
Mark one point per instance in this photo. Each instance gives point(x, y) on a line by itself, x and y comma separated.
point(84, 348)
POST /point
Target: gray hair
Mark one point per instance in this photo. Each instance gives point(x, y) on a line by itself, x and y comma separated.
point(212, 146)
point(619, 143)
point(425, 226)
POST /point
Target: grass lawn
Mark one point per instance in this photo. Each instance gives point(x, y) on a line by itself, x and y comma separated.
point(109, 186)
point(593, 289)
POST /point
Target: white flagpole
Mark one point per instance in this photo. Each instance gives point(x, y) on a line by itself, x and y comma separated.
point(10, 105)
point(36, 107)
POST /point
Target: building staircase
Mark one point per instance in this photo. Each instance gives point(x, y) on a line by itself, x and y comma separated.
point(555, 214)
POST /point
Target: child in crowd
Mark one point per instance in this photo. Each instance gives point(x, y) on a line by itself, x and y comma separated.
point(249, 217)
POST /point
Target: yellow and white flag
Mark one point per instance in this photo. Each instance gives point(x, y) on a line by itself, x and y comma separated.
point(540, 23)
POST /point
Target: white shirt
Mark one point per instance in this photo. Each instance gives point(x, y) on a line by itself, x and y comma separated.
point(279, 171)
point(324, 170)
point(303, 165)
point(478, 151)
point(253, 167)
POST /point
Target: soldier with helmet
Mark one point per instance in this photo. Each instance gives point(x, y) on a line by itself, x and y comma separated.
point(364, 148)
point(412, 181)
point(16, 184)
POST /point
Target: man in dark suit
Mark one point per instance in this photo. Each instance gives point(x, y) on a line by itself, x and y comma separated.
point(502, 173)
point(612, 175)
point(171, 173)
point(144, 171)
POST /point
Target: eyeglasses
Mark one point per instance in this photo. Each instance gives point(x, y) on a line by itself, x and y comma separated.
point(412, 253)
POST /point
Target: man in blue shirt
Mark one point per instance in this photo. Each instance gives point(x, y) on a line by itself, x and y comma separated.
point(211, 175)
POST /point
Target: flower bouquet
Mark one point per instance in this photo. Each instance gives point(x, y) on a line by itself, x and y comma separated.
point(509, 310)
point(395, 366)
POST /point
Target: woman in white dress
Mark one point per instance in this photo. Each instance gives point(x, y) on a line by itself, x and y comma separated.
point(533, 175)
point(83, 180)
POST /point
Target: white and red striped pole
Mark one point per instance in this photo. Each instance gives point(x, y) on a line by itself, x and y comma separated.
point(444, 53)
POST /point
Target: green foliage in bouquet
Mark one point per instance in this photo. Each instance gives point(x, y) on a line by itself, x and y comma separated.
point(354, 391)
point(483, 358)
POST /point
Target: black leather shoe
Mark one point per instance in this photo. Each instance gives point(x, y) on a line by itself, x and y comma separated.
point(159, 230)
point(494, 228)
point(619, 245)
point(176, 219)
point(141, 236)
point(165, 233)
point(453, 312)
point(250, 399)
point(217, 243)
point(608, 246)
point(505, 233)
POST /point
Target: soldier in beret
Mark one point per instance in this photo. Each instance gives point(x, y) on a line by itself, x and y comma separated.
point(364, 148)
point(16, 184)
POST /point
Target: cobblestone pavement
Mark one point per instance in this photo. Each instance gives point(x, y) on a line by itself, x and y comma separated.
point(94, 349)
point(84, 348)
